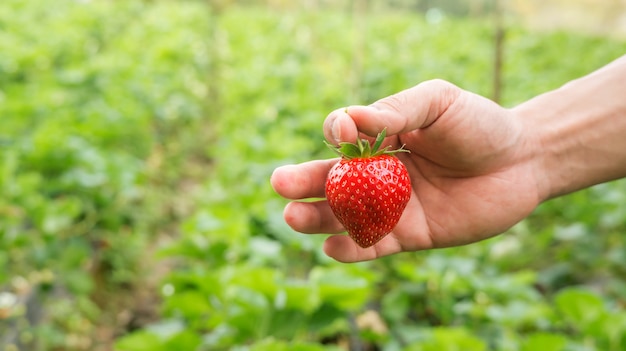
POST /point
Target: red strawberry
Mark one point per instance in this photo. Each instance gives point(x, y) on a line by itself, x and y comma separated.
point(368, 189)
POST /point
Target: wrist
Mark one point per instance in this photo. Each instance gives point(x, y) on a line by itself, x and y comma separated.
point(578, 132)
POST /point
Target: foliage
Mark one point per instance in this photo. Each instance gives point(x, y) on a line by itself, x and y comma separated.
point(139, 138)
point(87, 116)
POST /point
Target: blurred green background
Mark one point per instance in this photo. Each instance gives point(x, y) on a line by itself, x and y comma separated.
point(136, 143)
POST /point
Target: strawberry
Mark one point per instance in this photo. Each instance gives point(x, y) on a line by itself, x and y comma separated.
point(368, 189)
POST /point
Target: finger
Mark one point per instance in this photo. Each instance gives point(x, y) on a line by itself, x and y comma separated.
point(411, 109)
point(339, 127)
point(312, 218)
point(344, 128)
point(343, 249)
point(301, 181)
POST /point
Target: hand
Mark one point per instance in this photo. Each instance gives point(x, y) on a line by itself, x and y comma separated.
point(470, 167)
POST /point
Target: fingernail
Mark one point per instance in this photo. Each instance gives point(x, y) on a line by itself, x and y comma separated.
point(336, 130)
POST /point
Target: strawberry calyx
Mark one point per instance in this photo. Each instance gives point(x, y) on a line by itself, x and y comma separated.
point(363, 149)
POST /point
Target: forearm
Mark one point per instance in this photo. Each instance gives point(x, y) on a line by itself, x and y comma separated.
point(579, 131)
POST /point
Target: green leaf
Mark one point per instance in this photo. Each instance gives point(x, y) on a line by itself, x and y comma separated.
point(140, 341)
point(271, 344)
point(301, 295)
point(190, 304)
point(579, 306)
point(339, 287)
point(379, 140)
point(449, 339)
point(350, 150)
point(544, 342)
point(184, 340)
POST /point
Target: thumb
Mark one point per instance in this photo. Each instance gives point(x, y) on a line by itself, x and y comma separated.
point(411, 109)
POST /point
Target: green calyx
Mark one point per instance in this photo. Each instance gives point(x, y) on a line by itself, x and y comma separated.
point(363, 149)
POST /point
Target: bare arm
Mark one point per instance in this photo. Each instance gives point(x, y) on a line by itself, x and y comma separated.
point(580, 131)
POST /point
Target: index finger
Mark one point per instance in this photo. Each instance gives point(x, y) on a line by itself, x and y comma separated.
point(305, 180)
point(411, 109)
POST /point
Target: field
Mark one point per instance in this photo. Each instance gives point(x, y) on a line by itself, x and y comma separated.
point(137, 139)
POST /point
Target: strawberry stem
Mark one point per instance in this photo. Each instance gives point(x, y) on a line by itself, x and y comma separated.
point(363, 149)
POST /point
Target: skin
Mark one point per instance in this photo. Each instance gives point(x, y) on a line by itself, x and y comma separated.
point(476, 168)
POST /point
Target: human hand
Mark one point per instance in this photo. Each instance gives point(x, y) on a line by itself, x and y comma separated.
point(470, 166)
